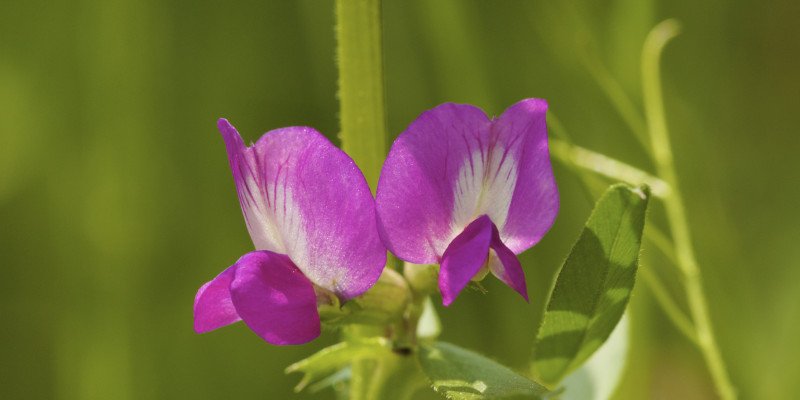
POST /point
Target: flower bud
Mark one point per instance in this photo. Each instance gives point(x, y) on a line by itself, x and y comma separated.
point(380, 305)
point(423, 278)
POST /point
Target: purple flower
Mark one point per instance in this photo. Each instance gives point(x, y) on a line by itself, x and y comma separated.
point(311, 216)
point(469, 193)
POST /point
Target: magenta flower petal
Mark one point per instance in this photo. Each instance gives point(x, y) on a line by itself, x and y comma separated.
point(250, 186)
point(534, 203)
point(454, 164)
point(506, 265)
point(303, 197)
point(275, 299)
point(464, 258)
point(213, 307)
point(416, 199)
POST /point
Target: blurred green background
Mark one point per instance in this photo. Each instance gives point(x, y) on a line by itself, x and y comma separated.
point(117, 203)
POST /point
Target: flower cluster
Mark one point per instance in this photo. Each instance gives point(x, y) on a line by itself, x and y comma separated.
point(457, 189)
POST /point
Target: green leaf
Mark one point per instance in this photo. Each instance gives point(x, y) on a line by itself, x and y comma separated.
point(594, 285)
point(331, 359)
point(600, 375)
point(460, 374)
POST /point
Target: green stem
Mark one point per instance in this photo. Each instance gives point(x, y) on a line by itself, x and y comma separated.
point(606, 166)
point(361, 89)
point(676, 215)
point(673, 311)
point(615, 93)
point(363, 125)
point(660, 240)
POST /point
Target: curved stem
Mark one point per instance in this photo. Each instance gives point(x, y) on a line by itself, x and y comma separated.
point(660, 240)
point(618, 97)
point(673, 311)
point(676, 215)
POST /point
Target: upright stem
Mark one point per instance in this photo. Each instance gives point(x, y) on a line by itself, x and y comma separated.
point(676, 215)
point(361, 89)
point(363, 129)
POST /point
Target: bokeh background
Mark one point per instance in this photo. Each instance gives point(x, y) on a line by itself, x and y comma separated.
point(117, 203)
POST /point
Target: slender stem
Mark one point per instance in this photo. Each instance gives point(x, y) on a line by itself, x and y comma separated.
point(363, 125)
point(673, 311)
point(663, 244)
point(361, 88)
point(617, 95)
point(555, 126)
point(676, 215)
point(604, 165)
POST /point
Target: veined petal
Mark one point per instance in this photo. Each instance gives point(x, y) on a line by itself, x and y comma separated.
point(534, 204)
point(247, 174)
point(454, 164)
point(303, 197)
point(213, 307)
point(505, 265)
point(415, 198)
point(275, 299)
point(464, 257)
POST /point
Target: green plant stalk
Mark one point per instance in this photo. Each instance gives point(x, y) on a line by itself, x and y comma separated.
point(606, 166)
point(669, 306)
point(676, 215)
point(363, 125)
point(618, 97)
point(361, 88)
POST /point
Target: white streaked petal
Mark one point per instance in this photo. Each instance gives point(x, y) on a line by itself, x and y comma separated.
point(485, 186)
point(305, 198)
point(289, 220)
point(259, 216)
